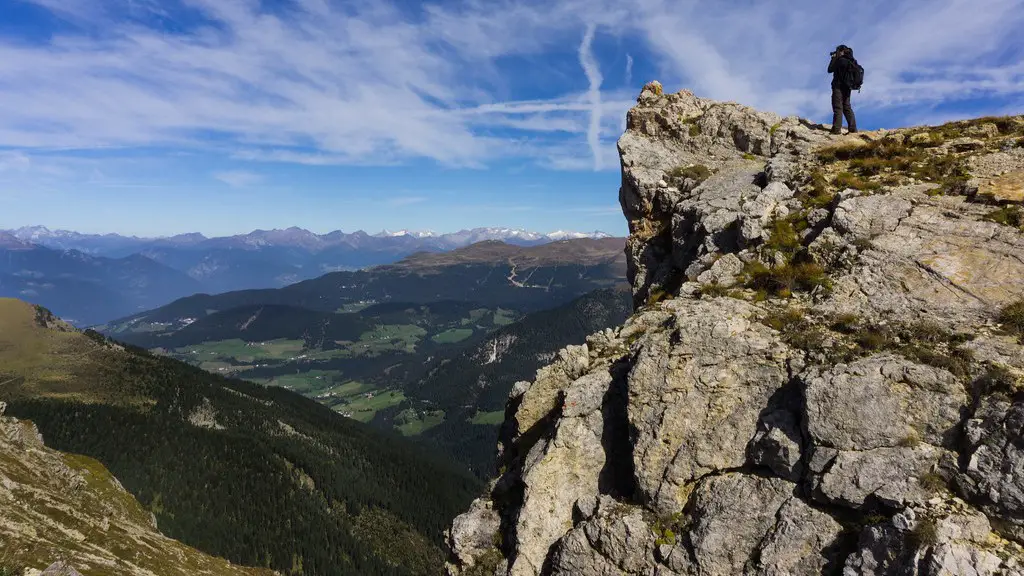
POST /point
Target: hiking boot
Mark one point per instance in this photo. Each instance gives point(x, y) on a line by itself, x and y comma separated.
point(837, 132)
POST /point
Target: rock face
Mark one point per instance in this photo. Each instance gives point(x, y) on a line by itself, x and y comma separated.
point(822, 376)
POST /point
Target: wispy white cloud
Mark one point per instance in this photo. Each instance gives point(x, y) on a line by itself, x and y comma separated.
point(593, 71)
point(14, 161)
point(239, 178)
point(319, 82)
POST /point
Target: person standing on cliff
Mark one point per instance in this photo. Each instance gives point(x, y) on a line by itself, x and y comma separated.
point(846, 77)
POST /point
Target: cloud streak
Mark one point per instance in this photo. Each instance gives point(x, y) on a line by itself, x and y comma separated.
point(318, 82)
point(239, 178)
point(593, 71)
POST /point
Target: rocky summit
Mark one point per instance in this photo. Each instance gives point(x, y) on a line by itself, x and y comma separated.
point(823, 373)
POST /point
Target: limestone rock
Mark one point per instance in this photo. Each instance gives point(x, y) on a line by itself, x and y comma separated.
point(559, 472)
point(696, 393)
point(617, 540)
point(697, 441)
point(882, 402)
point(994, 475)
point(472, 534)
point(778, 444)
point(737, 517)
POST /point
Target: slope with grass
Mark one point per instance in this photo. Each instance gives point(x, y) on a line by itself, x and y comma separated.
point(198, 450)
point(64, 507)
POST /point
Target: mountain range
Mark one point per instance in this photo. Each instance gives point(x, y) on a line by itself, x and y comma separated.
point(432, 343)
point(115, 245)
point(70, 272)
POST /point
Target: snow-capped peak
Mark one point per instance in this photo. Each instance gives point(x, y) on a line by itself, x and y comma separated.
point(569, 235)
point(414, 233)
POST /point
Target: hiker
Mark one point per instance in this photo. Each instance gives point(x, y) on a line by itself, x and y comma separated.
point(847, 76)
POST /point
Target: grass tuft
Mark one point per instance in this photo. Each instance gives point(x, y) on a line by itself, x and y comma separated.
point(697, 172)
point(1007, 216)
point(1012, 318)
point(996, 380)
point(782, 281)
point(933, 482)
point(845, 180)
point(924, 535)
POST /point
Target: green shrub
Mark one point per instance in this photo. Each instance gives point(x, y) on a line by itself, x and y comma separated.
point(696, 172)
point(815, 193)
point(996, 380)
point(666, 528)
point(957, 361)
point(1007, 216)
point(714, 290)
point(948, 171)
point(932, 482)
point(845, 323)
point(925, 534)
point(783, 237)
point(1012, 318)
point(749, 156)
point(926, 331)
point(785, 319)
point(845, 180)
point(783, 280)
point(873, 338)
point(775, 128)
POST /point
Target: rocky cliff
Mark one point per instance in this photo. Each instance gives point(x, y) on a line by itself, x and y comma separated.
point(65, 514)
point(823, 374)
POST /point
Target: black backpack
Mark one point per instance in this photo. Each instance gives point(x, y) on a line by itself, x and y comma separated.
point(854, 75)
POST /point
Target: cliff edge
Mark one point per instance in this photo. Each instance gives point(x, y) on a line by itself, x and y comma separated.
point(823, 374)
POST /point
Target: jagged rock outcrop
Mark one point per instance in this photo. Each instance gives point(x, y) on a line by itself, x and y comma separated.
point(824, 373)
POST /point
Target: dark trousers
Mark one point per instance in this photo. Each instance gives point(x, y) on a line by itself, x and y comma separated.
point(840, 107)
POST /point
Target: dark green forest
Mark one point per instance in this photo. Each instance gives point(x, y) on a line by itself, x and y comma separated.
point(268, 478)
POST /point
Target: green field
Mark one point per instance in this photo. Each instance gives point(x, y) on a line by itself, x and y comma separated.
point(354, 307)
point(309, 383)
point(241, 351)
point(504, 317)
point(389, 338)
point(364, 406)
point(489, 418)
point(412, 422)
point(452, 336)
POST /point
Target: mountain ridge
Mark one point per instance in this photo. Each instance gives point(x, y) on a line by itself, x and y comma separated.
point(198, 449)
point(292, 237)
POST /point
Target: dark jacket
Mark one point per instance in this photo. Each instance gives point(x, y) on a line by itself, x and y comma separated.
point(839, 67)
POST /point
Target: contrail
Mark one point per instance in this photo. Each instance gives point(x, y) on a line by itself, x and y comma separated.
point(629, 69)
point(593, 72)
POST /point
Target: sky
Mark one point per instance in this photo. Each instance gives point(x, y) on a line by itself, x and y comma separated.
point(157, 117)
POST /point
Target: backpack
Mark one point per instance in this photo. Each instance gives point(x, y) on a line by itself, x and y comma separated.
point(854, 75)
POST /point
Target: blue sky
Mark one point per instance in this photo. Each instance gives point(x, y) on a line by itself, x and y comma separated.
point(155, 117)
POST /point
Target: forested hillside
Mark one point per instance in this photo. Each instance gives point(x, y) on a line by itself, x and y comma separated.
point(258, 475)
point(470, 385)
